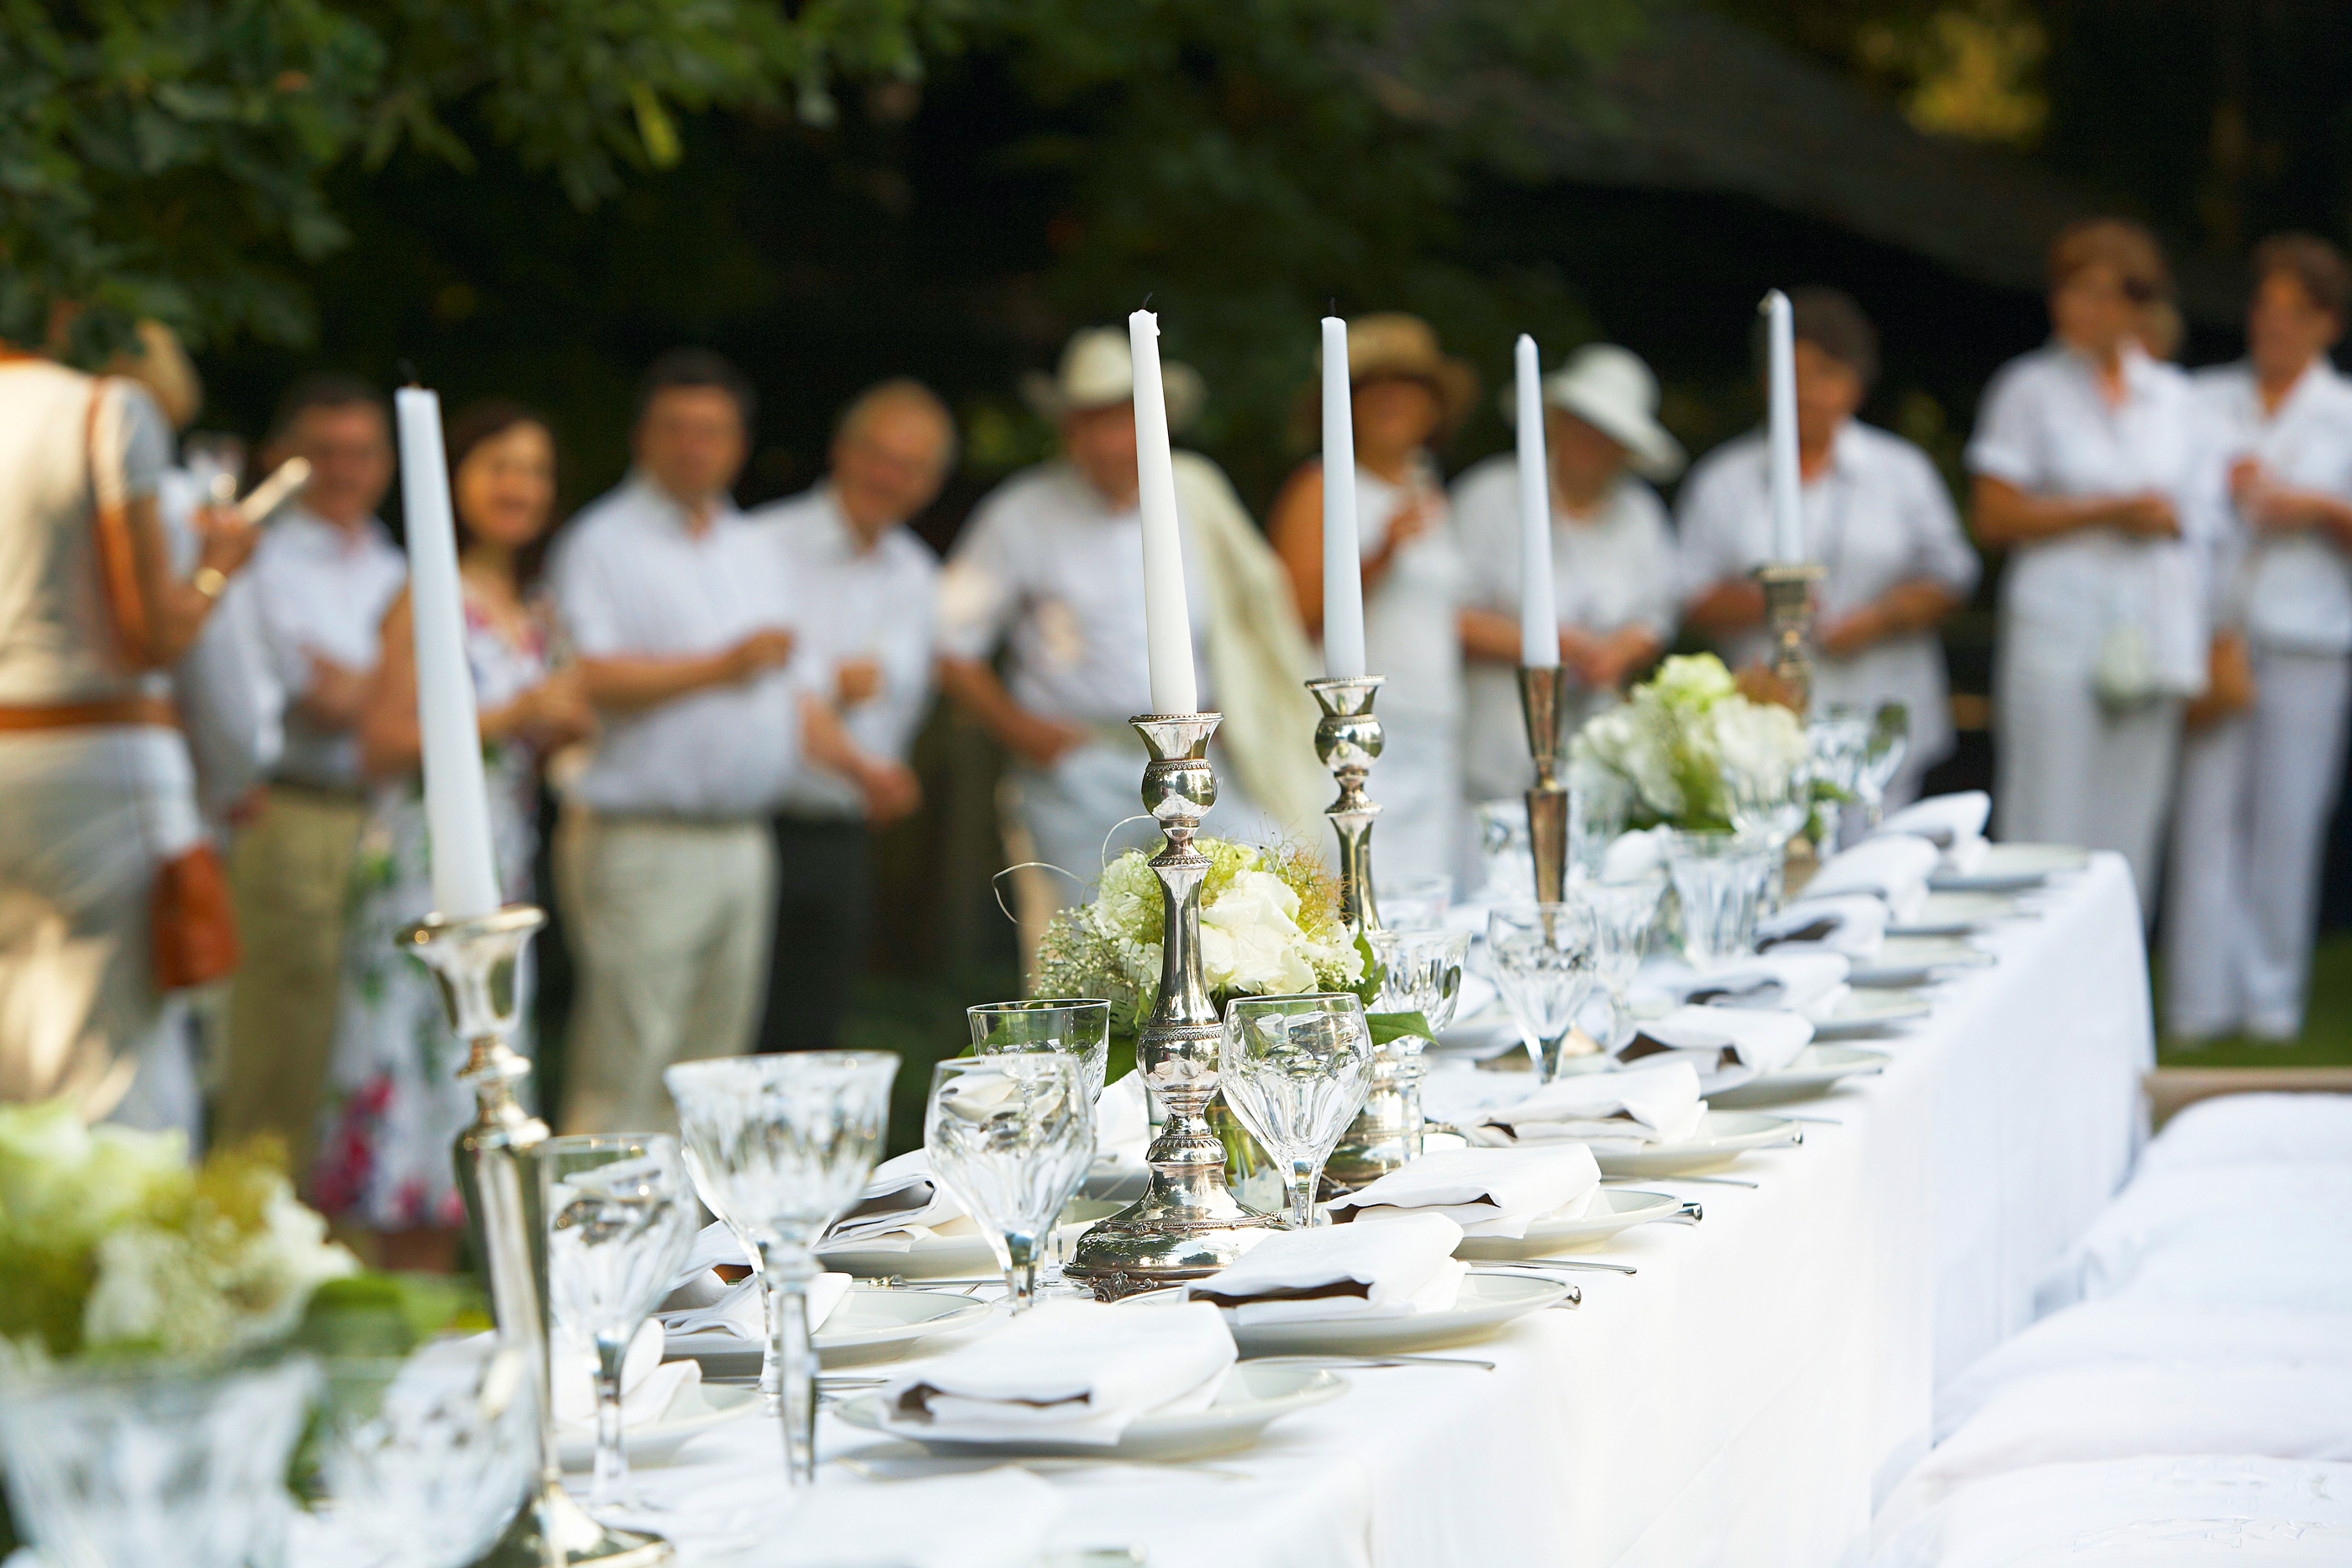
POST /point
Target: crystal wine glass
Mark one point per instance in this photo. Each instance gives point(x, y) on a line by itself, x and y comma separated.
point(1506, 850)
point(1071, 1025)
point(1416, 903)
point(1623, 913)
point(1840, 742)
point(620, 1220)
point(1598, 802)
point(1421, 972)
point(785, 1142)
point(1545, 958)
point(1769, 809)
point(1890, 742)
point(1010, 1135)
point(1296, 1070)
point(1720, 881)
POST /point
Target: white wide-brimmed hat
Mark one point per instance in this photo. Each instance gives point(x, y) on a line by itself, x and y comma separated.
point(1098, 369)
point(1612, 390)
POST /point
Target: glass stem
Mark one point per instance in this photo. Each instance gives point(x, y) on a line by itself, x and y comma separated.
point(1303, 1174)
point(611, 1477)
point(771, 1370)
point(788, 1275)
point(1021, 1273)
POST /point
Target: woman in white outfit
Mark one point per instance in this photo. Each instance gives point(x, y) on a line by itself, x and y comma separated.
point(2094, 468)
point(96, 796)
point(1612, 554)
point(1408, 394)
point(2257, 784)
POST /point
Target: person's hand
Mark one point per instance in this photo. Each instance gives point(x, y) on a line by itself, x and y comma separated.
point(1850, 634)
point(335, 691)
point(225, 540)
point(1042, 741)
point(1758, 684)
point(1416, 517)
point(2149, 516)
point(857, 680)
point(1608, 658)
point(557, 712)
point(891, 791)
point(2272, 508)
point(768, 649)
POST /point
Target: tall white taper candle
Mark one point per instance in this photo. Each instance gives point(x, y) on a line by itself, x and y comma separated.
point(1167, 620)
point(1343, 558)
point(1780, 369)
point(456, 801)
point(1538, 616)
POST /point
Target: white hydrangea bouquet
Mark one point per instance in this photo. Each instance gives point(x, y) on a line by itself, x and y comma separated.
point(112, 1244)
point(1686, 744)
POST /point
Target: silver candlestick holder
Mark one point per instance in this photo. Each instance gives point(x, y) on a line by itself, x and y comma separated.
point(477, 963)
point(1789, 620)
point(1348, 738)
point(1543, 703)
point(1187, 1224)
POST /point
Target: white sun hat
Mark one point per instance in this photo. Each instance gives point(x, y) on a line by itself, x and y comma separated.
point(1098, 369)
point(1612, 390)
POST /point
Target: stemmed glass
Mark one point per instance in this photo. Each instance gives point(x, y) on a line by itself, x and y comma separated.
point(620, 1220)
point(1545, 958)
point(1071, 1025)
point(785, 1142)
point(1840, 742)
point(1598, 802)
point(1769, 809)
point(1421, 972)
point(1890, 742)
point(1718, 880)
point(1296, 1071)
point(1012, 1134)
point(1506, 850)
point(1417, 903)
point(1623, 913)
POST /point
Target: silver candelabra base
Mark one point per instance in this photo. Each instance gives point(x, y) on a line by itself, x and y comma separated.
point(1543, 703)
point(1789, 620)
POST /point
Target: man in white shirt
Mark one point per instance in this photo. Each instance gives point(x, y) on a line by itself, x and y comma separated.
point(1613, 557)
point(865, 588)
point(2258, 781)
point(1877, 520)
point(320, 581)
point(681, 624)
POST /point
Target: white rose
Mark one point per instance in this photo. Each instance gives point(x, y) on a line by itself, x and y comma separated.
point(1250, 939)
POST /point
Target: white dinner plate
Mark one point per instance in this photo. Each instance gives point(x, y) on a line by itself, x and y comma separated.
point(1250, 1398)
point(1916, 960)
point(1487, 1303)
point(694, 1409)
point(1621, 1209)
point(1957, 914)
point(951, 1257)
point(1814, 1070)
point(867, 1326)
point(1722, 1137)
point(2007, 868)
point(1871, 1012)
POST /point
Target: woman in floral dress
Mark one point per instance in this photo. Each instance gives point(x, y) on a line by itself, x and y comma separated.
point(395, 1106)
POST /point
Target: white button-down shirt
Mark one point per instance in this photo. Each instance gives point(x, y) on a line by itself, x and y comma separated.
point(1877, 517)
point(631, 581)
point(318, 588)
point(1611, 570)
point(1046, 565)
point(857, 603)
point(2046, 428)
point(2290, 591)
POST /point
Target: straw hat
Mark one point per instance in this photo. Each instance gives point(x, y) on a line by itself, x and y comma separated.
point(1393, 344)
point(1612, 390)
point(1098, 369)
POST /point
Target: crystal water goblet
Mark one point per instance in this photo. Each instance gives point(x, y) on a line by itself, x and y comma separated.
point(1414, 903)
point(1769, 808)
point(1545, 958)
point(1623, 913)
point(420, 1462)
point(1296, 1071)
point(1075, 1026)
point(1010, 1135)
point(1506, 850)
point(1840, 740)
point(785, 1142)
point(1719, 879)
point(620, 1220)
point(1599, 800)
point(1421, 972)
point(1890, 744)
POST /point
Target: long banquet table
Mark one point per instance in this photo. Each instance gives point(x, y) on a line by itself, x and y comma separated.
point(1750, 1393)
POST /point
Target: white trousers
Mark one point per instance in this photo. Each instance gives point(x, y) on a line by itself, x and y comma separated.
point(1078, 814)
point(2070, 772)
point(2247, 841)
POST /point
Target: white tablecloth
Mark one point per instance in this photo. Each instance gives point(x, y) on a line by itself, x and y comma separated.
point(1767, 1375)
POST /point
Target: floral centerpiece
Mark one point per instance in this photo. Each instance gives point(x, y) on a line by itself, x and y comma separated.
point(1686, 746)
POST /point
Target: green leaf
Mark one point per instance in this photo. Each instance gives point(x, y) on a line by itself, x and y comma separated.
point(1387, 1026)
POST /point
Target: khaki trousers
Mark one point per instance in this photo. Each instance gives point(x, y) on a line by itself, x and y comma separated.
point(673, 921)
point(289, 871)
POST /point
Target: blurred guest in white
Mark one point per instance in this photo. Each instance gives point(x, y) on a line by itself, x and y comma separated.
point(109, 895)
point(1051, 565)
point(2259, 775)
point(322, 576)
point(1613, 557)
point(1877, 520)
point(1409, 394)
point(2096, 468)
point(682, 622)
point(865, 588)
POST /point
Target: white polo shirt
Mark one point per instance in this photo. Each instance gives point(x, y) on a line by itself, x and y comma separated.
point(631, 580)
point(1878, 516)
point(857, 603)
point(316, 587)
point(2292, 592)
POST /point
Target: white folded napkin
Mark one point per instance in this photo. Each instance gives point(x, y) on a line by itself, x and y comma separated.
point(1789, 982)
point(648, 1383)
point(1727, 1046)
point(901, 1205)
point(1486, 1191)
point(1851, 923)
point(1065, 1372)
point(1634, 855)
point(714, 1244)
point(1943, 820)
point(1893, 868)
point(742, 1313)
point(1617, 1113)
point(1351, 1272)
point(1964, 857)
point(1123, 1121)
